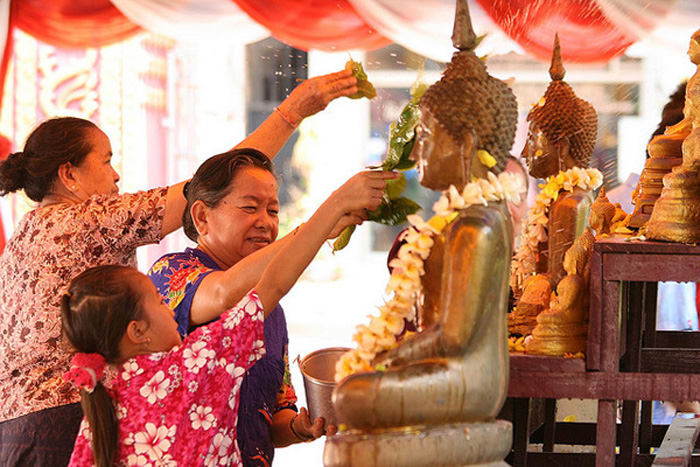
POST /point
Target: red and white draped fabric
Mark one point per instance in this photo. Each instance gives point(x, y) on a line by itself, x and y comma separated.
point(193, 20)
point(315, 24)
point(425, 27)
point(73, 23)
point(589, 30)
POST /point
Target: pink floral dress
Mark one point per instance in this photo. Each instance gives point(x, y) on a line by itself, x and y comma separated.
point(180, 407)
point(50, 246)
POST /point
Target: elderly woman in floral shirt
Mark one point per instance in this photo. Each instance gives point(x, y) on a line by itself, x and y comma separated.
point(81, 221)
point(232, 214)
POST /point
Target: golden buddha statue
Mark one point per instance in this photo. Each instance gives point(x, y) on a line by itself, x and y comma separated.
point(561, 136)
point(444, 385)
point(603, 214)
point(564, 327)
point(665, 153)
point(537, 292)
point(676, 214)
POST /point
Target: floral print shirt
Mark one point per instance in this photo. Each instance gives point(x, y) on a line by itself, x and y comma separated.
point(180, 407)
point(50, 246)
point(267, 387)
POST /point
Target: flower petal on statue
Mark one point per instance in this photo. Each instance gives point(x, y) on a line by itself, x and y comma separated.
point(442, 206)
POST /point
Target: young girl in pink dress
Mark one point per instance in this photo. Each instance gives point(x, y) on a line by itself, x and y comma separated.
point(165, 401)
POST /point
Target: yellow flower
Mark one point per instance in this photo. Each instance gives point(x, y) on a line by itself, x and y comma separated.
point(485, 158)
point(551, 191)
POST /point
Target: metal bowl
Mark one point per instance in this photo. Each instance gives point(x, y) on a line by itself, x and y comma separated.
point(318, 370)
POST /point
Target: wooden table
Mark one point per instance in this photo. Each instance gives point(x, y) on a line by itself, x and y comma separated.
point(627, 358)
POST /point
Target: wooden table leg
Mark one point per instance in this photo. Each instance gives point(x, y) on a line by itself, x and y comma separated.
point(605, 434)
point(521, 430)
point(646, 423)
point(550, 423)
point(630, 432)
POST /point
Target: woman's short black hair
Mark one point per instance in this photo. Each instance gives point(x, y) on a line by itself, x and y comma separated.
point(212, 181)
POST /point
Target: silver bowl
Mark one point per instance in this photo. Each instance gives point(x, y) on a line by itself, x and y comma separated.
point(318, 370)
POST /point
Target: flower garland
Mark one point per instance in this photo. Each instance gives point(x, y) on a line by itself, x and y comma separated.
point(535, 230)
point(407, 268)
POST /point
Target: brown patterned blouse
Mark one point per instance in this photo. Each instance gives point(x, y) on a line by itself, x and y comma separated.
point(49, 247)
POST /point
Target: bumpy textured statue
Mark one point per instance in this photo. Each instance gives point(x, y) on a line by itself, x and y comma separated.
point(676, 214)
point(561, 136)
point(443, 386)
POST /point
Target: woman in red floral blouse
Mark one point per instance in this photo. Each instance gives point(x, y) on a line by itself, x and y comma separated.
point(82, 221)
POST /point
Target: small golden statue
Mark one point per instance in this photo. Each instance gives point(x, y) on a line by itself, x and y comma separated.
point(444, 385)
point(603, 215)
point(537, 292)
point(676, 214)
point(561, 136)
point(563, 329)
point(665, 153)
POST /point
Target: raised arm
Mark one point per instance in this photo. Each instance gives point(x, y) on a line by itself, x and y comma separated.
point(363, 191)
point(309, 98)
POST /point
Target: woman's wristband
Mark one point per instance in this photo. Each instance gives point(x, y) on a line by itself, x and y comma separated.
point(295, 433)
point(286, 118)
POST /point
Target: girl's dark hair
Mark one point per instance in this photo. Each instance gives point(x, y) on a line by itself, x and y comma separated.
point(212, 181)
point(51, 144)
point(95, 312)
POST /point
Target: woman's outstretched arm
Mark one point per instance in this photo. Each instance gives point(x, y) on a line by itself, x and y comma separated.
point(309, 98)
point(363, 191)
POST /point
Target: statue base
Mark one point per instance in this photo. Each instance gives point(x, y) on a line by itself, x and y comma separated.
point(462, 444)
point(676, 214)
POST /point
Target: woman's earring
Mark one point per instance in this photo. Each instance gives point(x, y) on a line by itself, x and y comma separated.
point(73, 187)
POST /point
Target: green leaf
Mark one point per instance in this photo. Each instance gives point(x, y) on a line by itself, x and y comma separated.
point(402, 133)
point(405, 161)
point(393, 211)
point(394, 188)
point(364, 87)
point(344, 238)
point(402, 137)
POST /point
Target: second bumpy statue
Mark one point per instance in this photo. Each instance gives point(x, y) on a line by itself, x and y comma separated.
point(561, 137)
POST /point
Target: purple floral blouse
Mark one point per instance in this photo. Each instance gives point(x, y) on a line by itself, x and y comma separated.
point(180, 407)
point(50, 246)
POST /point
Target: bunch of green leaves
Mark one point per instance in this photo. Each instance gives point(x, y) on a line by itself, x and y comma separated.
point(364, 87)
point(402, 136)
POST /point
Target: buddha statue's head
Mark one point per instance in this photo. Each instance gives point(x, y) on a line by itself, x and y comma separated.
point(579, 254)
point(694, 48)
point(466, 111)
point(562, 129)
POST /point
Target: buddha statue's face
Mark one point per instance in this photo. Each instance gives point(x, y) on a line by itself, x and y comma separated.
point(542, 158)
point(441, 160)
point(545, 158)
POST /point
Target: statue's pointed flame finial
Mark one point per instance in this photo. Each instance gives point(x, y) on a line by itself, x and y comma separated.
point(556, 69)
point(463, 37)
